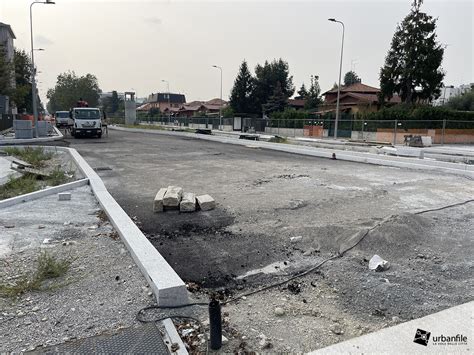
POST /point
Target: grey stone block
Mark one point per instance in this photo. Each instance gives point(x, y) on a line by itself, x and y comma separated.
point(188, 203)
point(206, 202)
point(158, 201)
point(173, 196)
point(22, 124)
point(23, 133)
point(64, 196)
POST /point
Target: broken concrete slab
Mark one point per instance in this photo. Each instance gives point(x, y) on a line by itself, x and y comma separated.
point(206, 202)
point(173, 196)
point(188, 203)
point(158, 201)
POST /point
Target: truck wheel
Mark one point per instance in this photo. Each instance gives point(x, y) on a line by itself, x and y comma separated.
point(99, 135)
point(73, 133)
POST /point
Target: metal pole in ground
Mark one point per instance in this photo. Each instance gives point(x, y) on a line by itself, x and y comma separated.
point(443, 132)
point(395, 133)
point(340, 71)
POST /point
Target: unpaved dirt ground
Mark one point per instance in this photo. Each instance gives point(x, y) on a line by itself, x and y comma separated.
point(264, 199)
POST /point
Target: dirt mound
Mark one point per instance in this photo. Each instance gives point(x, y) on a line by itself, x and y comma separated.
point(396, 235)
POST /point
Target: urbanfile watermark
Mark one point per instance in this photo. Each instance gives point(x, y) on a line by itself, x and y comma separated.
point(425, 338)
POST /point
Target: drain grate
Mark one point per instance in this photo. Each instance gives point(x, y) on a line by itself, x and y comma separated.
point(144, 339)
point(102, 168)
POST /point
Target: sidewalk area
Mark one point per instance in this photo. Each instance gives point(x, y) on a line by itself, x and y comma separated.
point(455, 323)
point(8, 138)
point(100, 290)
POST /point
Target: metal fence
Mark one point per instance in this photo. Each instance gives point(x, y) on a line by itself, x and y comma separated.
point(384, 131)
point(6, 121)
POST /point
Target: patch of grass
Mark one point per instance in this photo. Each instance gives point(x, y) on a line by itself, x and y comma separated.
point(19, 186)
point(278, 139)
point(34, 156)
point(57, 177)
point(48, 267)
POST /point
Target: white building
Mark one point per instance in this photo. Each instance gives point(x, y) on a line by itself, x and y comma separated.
point(449, 91)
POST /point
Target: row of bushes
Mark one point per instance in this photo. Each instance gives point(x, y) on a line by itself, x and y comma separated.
point(421, 113)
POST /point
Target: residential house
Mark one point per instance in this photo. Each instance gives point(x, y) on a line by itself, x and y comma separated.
point(163, 101)
point(355, 98)
point(6, 42)
point(202, 108)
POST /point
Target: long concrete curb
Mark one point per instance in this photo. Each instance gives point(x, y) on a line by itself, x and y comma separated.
point(12, 141)
point(359, 157)
point(42, 193)
point(167, 286)
point(399, 339)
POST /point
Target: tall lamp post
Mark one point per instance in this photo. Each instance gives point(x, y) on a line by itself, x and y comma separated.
point(220, 108)
point(34, 92)
point(169, 104)
point(340, 71)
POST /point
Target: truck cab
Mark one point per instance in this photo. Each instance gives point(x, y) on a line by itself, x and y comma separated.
point(86, 121)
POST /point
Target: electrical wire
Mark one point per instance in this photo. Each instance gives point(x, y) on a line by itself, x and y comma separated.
point(280, 283)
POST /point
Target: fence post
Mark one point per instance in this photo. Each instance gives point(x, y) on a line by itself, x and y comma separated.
point(443, 131)
point(363, 127)
point(278, 124)
point(395, 133)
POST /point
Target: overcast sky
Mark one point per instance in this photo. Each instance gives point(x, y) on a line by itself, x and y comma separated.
point(134, 44)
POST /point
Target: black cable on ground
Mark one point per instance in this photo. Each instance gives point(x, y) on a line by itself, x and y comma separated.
point(303, 273)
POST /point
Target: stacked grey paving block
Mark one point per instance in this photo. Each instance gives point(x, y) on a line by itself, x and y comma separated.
point(158, 202)
point(64, 196)
point(173, 196)
point(206, 202)
point(23, 129)
point(188, 203)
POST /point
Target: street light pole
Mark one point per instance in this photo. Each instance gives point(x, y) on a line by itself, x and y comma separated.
point(340, 71)
point(33, 69)
point(220, 108)
point(169, 104)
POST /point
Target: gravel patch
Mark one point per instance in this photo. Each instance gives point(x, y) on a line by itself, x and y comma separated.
point(101, 292)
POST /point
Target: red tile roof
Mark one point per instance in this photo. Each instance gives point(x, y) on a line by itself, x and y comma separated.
point(357, 87)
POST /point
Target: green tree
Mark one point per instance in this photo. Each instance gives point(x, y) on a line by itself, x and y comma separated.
point(69, 88)
point(114, 102)
point(313, 99)
point(464, 102)
point(413, 64)
point(267, 78)
point(6, 74)
point(351, 78)
point(22, 95)
point(241, 100)
point(277, 102)
point(302, 92)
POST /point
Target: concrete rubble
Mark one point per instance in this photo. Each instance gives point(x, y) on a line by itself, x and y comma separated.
point(174, 197)
point(188, 203)
point(158, 202)
point(206, 202)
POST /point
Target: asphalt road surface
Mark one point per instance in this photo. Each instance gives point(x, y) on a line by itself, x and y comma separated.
point(264, 198)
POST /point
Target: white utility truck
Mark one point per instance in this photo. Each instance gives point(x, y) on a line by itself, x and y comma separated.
point(86, 121)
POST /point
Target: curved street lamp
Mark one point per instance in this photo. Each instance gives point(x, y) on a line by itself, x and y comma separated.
point(220, 108)
point(340, 70)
